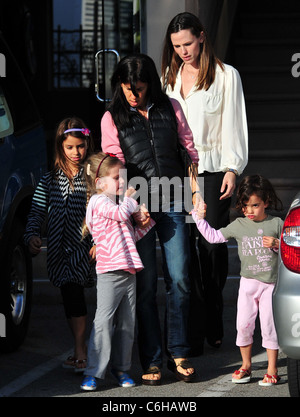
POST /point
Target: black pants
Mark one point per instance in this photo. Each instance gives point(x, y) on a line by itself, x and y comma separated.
point(208, 279)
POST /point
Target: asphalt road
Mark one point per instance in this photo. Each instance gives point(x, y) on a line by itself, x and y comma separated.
point(35, 370)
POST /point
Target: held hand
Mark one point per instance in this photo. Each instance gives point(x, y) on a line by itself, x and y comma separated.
point(92, 254)
point(142, 217)
point(201, 210)
point(34, 245)
point(144, 211)
point(228, 184)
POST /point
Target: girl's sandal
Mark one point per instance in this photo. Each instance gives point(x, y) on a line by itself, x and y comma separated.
point(151, 371)
point(265, 383)
point(246, 377)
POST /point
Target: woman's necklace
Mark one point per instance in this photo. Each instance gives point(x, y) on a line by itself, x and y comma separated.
point(190, 74)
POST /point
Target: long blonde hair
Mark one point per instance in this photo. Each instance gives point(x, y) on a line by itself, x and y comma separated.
point(171, 61)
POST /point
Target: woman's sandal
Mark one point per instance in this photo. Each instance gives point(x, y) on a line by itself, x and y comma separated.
point(123, 379)
point(265, 383)
point(244, 378)
point(151, 371)
point(185, 364)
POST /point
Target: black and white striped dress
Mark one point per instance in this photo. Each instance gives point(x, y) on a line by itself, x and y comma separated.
point(65, 207)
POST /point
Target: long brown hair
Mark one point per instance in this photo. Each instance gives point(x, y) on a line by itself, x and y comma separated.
point(171, 61)
point(60, 161)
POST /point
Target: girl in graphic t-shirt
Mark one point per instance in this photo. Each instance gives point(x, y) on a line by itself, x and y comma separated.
point(257, 235)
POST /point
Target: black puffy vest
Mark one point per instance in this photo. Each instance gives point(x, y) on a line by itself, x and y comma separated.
point(150, 147)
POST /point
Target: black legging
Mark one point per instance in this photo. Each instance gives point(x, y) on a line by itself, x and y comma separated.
point(73, 300)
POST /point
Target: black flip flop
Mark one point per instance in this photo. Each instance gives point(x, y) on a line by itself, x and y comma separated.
point(185, 364)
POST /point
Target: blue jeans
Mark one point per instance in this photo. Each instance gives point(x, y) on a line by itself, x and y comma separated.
point(173, 234)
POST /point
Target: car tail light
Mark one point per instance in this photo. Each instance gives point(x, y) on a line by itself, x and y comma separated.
point(290, 241)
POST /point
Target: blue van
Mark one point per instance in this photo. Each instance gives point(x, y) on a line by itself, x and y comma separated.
point(23, 161)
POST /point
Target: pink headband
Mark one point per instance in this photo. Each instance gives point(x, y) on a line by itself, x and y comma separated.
point(106, 156)
point(86, 132)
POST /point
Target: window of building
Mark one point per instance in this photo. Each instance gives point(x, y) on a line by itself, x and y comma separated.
point(80, 29)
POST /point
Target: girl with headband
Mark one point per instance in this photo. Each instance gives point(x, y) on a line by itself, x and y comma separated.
point(61, 197)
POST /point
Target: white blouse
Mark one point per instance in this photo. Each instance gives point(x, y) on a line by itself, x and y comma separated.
point(217, 118)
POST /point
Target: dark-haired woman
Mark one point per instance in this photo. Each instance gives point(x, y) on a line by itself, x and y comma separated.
point(142, 127)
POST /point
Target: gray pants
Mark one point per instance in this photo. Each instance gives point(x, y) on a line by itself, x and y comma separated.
point(112, 335)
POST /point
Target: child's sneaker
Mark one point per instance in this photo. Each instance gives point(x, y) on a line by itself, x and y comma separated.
point(123, 379)
point(89, 383)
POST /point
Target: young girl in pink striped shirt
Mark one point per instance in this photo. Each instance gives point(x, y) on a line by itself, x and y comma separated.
point(109, 220)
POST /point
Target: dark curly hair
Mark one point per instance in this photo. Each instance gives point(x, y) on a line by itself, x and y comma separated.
point(262, 188)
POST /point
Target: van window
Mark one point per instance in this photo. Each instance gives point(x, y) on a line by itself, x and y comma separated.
point(6, 124)
point(23, 110)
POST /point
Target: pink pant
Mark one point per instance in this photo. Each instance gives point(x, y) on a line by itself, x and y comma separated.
point(255, 296)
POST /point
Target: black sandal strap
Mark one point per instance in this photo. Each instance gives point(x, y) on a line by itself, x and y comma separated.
point(185, 364)
point(152, 370)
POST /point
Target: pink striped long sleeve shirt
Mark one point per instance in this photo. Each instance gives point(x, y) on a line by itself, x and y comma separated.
point(114, 235)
